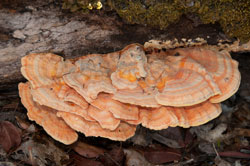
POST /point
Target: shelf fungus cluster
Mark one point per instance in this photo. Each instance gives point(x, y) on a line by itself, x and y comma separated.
point(108, 95)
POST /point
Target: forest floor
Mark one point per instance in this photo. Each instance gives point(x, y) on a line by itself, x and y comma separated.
point(225, 141)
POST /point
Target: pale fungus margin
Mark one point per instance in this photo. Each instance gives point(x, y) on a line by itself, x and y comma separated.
point(107, 95)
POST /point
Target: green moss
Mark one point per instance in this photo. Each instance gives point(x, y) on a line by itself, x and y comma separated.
point(233, 15)
point(157, 13)
point(153, 13)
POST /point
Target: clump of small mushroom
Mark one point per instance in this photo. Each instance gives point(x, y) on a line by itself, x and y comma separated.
point(108, 95)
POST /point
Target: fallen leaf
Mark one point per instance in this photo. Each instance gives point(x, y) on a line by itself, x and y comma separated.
point(209, 133)
point(166, 141)
point(142, 136)
point(26, 125)
point(88, 151)
point(206, 147)
point(189, 138)
point(134, 158)
point(242, 114)
point(22, 123)
point(234, 154)
point(114, 157)
point(10, 135)
point(81, 161)
point(175, 136)
point(161, 155)
point(40, 151)
point(220, 162)
point(117, 154)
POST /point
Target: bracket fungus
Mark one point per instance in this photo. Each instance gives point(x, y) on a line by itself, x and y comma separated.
point(108, 95)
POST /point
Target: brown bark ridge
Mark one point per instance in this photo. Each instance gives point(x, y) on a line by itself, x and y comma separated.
point(42, 26)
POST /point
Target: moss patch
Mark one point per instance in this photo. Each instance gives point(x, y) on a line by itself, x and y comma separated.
point(233, 15)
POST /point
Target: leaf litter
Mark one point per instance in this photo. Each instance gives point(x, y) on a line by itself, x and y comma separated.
point(10, 136)
point(40, 151)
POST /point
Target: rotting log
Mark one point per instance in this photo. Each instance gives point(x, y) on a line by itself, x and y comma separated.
point(42, 26)
point(49, 29)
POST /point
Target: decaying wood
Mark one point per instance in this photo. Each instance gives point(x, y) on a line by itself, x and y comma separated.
point(49, 29)
point(42, 26)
